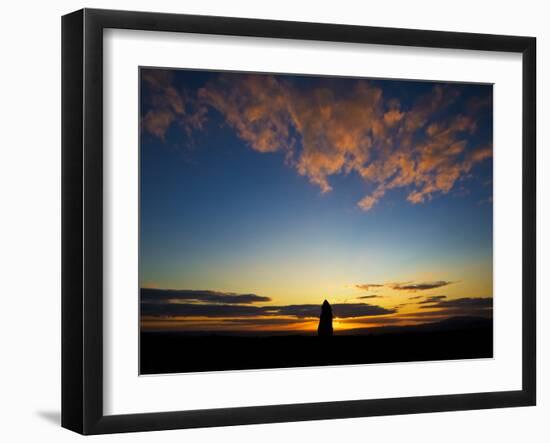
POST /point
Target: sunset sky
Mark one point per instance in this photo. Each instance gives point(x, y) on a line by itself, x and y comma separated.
point(263, 195)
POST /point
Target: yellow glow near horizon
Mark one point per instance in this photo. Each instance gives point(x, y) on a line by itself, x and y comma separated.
point(464, 283)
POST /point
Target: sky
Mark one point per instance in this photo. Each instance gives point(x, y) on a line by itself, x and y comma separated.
point(261, 195)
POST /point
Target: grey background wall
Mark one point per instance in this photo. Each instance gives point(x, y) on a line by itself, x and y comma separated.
point(30, 219)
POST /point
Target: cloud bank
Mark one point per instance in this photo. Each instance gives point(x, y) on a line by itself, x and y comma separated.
point(194, 303)
point(298, 311)
point(152, 295)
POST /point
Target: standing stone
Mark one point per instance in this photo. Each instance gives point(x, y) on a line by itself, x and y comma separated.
point(325, 321)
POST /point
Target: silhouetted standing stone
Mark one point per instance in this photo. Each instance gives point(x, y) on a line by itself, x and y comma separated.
point(325, 321)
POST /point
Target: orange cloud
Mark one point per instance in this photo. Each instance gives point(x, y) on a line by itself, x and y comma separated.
point(255, 107)
point(157, 122)
point(392, 117)
point(169, 105)
point(323, 134)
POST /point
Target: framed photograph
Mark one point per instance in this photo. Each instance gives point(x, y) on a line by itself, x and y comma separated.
point(270, 221)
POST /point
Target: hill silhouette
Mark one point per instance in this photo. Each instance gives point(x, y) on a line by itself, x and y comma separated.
point(451, 339)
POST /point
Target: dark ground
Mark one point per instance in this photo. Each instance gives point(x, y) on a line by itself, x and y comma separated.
point(456, 338)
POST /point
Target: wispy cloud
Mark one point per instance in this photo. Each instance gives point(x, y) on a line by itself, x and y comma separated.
point(466, 302)
point(410, 286)
point(420, 286)
point(169, 105)
point(422, 147)
point(433, 299)
point(153, 295)
point(369, 286)
point(365, 297)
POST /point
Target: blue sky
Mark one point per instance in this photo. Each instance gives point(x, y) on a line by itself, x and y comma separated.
point(300, 188)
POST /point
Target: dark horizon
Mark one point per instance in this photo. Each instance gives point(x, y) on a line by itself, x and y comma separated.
point(460, 320)
point(465, 339)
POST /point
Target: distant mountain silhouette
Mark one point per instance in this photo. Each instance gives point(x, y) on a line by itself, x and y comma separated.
point(448, 324)
point(325, 321)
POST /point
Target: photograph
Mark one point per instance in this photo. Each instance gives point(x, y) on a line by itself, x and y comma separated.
point(292, 220)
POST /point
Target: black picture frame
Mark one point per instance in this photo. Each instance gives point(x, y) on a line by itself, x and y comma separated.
point(82, 221)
